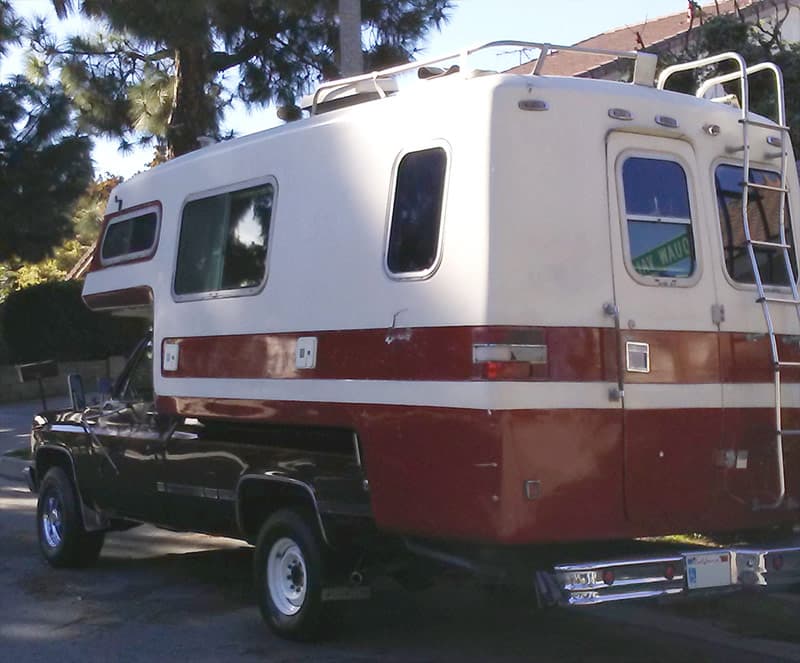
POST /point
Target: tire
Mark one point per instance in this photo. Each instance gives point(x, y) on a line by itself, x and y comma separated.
point(289, 573)
point(63, 541)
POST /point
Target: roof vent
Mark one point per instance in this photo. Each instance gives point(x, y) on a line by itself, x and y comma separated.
point(327, 97)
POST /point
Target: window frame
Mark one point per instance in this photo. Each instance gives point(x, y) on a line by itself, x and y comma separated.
point(427, 273)
point(754, 165)
point(645, 279)
point(124, 215)
point(211, 193)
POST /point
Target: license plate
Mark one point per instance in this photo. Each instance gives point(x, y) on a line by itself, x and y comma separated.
point(708, 569)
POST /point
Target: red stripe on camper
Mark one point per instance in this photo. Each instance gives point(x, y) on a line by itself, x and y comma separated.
point(138, 297)
point(573, 354)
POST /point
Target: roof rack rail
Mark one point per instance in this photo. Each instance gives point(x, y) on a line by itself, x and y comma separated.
point(644, 70)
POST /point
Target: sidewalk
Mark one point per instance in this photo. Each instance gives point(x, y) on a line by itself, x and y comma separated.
point(15, 431)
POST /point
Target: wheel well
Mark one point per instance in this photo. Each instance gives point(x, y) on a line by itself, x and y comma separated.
point(259, 499)
point(48, 458)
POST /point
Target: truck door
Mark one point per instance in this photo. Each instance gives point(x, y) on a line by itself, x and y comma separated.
point(668, 337)
point(127, 437)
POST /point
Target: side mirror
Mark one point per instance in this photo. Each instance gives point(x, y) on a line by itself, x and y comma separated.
point(76, 393)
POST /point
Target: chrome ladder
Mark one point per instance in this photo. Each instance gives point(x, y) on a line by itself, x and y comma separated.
point(778, 365)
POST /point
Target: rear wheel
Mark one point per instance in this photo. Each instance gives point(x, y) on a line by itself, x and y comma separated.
point(289, 570)
point(62, 538)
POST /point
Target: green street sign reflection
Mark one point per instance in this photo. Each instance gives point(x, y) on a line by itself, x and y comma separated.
point(664, 255)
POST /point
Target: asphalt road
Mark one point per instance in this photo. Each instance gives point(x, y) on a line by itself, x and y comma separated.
point(157, 596)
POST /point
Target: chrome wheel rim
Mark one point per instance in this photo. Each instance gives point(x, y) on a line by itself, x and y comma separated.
point(287, 578)
point(52, 524)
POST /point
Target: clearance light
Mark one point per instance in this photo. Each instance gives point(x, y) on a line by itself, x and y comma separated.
point(620, 114)
point(608, 577)
point(777, 562)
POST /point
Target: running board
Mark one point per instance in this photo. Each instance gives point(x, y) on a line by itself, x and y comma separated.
point(688, 572)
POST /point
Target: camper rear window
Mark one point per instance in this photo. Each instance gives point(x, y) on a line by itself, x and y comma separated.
point(417, 213)
point(129, 238)
point(658, 218)
point(223, 242)
point(763, 214)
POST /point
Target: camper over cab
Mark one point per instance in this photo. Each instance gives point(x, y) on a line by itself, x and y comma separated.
point(484, 312)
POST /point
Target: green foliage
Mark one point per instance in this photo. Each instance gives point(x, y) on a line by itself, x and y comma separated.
point(44, 165)
point(161, 72)
point(85, 223)
point(50, 321)
point(758, 42)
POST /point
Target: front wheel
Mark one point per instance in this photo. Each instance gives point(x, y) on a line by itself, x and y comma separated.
point(289, 575)
point(62, 538)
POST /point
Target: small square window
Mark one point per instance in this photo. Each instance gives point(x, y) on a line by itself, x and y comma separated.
point(129, 238)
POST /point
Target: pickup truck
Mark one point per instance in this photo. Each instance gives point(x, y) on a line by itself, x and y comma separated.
point(301, 499)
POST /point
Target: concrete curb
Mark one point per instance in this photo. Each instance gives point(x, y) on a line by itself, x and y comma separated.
point(12, 468)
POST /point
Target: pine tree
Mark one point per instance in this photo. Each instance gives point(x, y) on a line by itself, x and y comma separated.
point(44, 164)
point(166, 70)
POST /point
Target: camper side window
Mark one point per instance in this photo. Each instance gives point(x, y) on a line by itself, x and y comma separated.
point(223, 243)
point(763, 215)
point(658, 217)
point(129, 238)
point(413, 245)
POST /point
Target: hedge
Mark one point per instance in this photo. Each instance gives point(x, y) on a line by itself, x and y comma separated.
point(50, 321)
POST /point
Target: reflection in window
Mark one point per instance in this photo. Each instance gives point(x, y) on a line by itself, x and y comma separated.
point(130, 237)
point(417, 211)
point(659, 219)
point(223, 242)
point(763, 214)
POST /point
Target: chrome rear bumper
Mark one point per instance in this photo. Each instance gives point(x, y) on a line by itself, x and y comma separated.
point(702, 569)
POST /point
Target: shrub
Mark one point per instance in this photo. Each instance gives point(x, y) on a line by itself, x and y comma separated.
point(50, 321)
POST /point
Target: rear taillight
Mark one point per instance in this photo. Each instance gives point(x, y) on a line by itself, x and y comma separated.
point(507, 361)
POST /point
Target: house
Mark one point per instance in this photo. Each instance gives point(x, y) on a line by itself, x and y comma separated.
point(664, 35)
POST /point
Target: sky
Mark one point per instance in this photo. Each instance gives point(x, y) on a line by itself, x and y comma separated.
point(471, 22)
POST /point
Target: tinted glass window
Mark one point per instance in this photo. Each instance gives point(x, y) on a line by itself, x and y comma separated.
point(130, 236)
point(223, 242)
point(658, 216)
point(763, 214)
point(417, 211)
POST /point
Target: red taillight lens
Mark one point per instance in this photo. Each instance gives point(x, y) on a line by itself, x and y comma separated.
point(608, 577)
point(505, 370)
point(669, 571)
point(777, 562)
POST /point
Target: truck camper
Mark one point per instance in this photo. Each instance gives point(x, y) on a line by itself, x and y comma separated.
point(491, 320)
